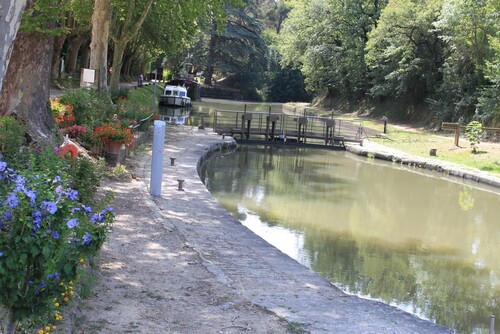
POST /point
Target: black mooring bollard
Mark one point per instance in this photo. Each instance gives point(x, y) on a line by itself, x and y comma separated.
point(179, 187)
point(385, 120)
point(172, 161)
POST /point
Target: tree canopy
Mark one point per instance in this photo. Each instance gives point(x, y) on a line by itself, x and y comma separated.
point(440, 57)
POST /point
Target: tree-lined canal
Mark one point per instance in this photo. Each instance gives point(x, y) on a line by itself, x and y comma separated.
point(417, 240)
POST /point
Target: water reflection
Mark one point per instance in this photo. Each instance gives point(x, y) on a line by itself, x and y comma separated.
point(413, 239)
point(175, 115)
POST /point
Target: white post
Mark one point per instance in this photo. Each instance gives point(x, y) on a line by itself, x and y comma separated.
point(157, 161)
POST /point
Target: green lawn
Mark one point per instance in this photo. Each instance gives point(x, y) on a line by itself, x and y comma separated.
point(418, 142)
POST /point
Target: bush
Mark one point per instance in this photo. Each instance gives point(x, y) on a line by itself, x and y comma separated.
point(45, 232)
point(474, 132)
point(91, 108)
point(11, 137)
point(119, 94)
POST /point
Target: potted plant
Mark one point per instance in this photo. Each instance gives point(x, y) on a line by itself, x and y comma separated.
point(114, 135)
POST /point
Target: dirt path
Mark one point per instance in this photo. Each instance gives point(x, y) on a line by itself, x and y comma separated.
point(151, 281)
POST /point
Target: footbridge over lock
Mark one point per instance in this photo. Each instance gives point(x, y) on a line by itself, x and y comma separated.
point(285, 128)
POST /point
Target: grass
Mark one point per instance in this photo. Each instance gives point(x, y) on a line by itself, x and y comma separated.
point(419, 142)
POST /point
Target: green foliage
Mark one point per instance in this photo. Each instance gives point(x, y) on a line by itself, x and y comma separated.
point(285, 85)
point(91, 108)
point(474, 132)
point(326, 41)
point(444, 52)
point(236, 49)
point(45, 232)
point(403, 51)
point(42, 16)
point(119, 94)
point(11, 137)
point(84, 176)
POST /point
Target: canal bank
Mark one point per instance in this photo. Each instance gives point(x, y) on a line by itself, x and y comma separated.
point(377, 151)
point(180, 263)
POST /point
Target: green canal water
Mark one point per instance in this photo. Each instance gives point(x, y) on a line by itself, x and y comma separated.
point(417, 240)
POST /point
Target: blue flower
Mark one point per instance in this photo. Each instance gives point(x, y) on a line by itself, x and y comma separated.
point(49, 206)
point(72, 223)
point(37, 220)
point(31, 195)
point(20, 183)
point(71, 194)
point(56, 179)
point(86, 238)
point(37, 216)
point(12, 201)
point(87, 209)
point(54, 276)
point(97, 218)
point(59, 189)
point(108, 209)
point(55, 235)
point(3, 166)
point(1, 254)
point(7, 215)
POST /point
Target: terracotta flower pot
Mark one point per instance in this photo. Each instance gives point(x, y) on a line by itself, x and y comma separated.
point(113, 147)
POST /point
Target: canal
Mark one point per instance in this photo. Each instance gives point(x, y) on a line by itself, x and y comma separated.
point(418, 240)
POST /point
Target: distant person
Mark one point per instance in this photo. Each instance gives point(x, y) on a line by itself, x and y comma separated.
point(140, 80)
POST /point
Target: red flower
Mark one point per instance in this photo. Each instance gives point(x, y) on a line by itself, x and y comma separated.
point(114, 132)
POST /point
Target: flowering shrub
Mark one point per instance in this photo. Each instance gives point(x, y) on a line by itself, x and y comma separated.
point(62, 113)
point(44, 232)
point(114, 132)
point(75, 131)
point(121, 99)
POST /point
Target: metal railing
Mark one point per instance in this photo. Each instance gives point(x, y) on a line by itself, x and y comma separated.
point(288, 128)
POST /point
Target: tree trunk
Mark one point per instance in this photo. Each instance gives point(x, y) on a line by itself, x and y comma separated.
point(209, 70)
point(118, 50)
point(11, 322)
point(26, 87)
point(127, 63)
point(10, 18)
point(99, 43)
point(56, 58)
point(85, 55)
point(73, 48)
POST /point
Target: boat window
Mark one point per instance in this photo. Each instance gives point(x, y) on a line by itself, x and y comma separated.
point(168, 92)
point(176, 92)
point(182, 93)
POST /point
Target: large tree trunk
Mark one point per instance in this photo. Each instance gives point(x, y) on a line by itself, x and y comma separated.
point(10, 18)
point(99, 43)
point(119, 49)
point(73, 48)
point(123, 33)
point(56, 58)
point(26, 87)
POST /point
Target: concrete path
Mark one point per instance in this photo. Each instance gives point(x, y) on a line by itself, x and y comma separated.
point(246, 264)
